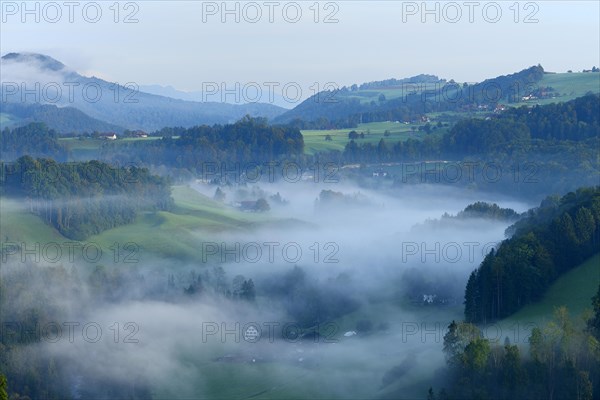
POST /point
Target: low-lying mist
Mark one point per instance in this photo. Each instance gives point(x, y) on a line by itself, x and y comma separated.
point(327, 298)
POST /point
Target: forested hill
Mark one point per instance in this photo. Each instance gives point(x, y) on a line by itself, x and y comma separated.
point(552, 239)
point(84, 198)
point(35, 140)
point(407, 100)
point(250, 140)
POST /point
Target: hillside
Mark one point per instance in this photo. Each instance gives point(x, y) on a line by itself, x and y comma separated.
point(550, 241)
point(573, 290)
point(175, 234)
point(411, 98)
point(61, 119)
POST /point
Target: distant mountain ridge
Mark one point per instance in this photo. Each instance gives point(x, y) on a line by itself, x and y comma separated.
point(247, 94)
point(55, 84)
point(63, 119)
point(44, 61)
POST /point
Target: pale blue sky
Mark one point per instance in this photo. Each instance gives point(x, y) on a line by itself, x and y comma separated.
point(171, 45)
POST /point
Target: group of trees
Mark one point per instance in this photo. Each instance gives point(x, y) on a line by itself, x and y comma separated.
point(248, 141)
point(310, 302)
point(214, 281)
point(35, 140)
point(563, 362)
point(578, 119)
point(551, 240)
point(480, 210)
point(84, 198)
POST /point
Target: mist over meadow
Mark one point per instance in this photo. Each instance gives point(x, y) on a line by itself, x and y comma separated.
point(350, 296)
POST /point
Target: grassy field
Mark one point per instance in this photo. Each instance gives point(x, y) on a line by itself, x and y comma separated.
point(176, 234)
point(568, 86)
point(572, 85)
point(19, 225)
point(314, 140)
point(573, 290)
point(82, 147)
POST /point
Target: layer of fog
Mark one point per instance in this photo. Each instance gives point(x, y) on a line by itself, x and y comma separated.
point(379, 262)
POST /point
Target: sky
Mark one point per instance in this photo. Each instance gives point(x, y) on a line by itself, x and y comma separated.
point(189, 44)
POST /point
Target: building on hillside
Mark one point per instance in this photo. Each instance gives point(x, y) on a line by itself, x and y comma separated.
point(108, 136)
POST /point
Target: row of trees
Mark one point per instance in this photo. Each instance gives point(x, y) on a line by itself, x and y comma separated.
point(551, 240)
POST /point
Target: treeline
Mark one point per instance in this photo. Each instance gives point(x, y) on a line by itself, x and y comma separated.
point(563, 362)
point(388, 83)
point(480, 210)
point(552, 239)
point(250, 140)
point(35, 140)
point(81, 199)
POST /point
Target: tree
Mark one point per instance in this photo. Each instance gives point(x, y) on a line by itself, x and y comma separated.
point(352, 135)
point(430, 394)
point(262, 205)
point(511, 370)
point(593, 324)
point(476, 355)
point(457, 338)
point(472, 298)
point(382, 150)
point(536, 344)
point(584, 225)
point(237, 285)
point(3, 388)
point(219, 195)
point(248, 291)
